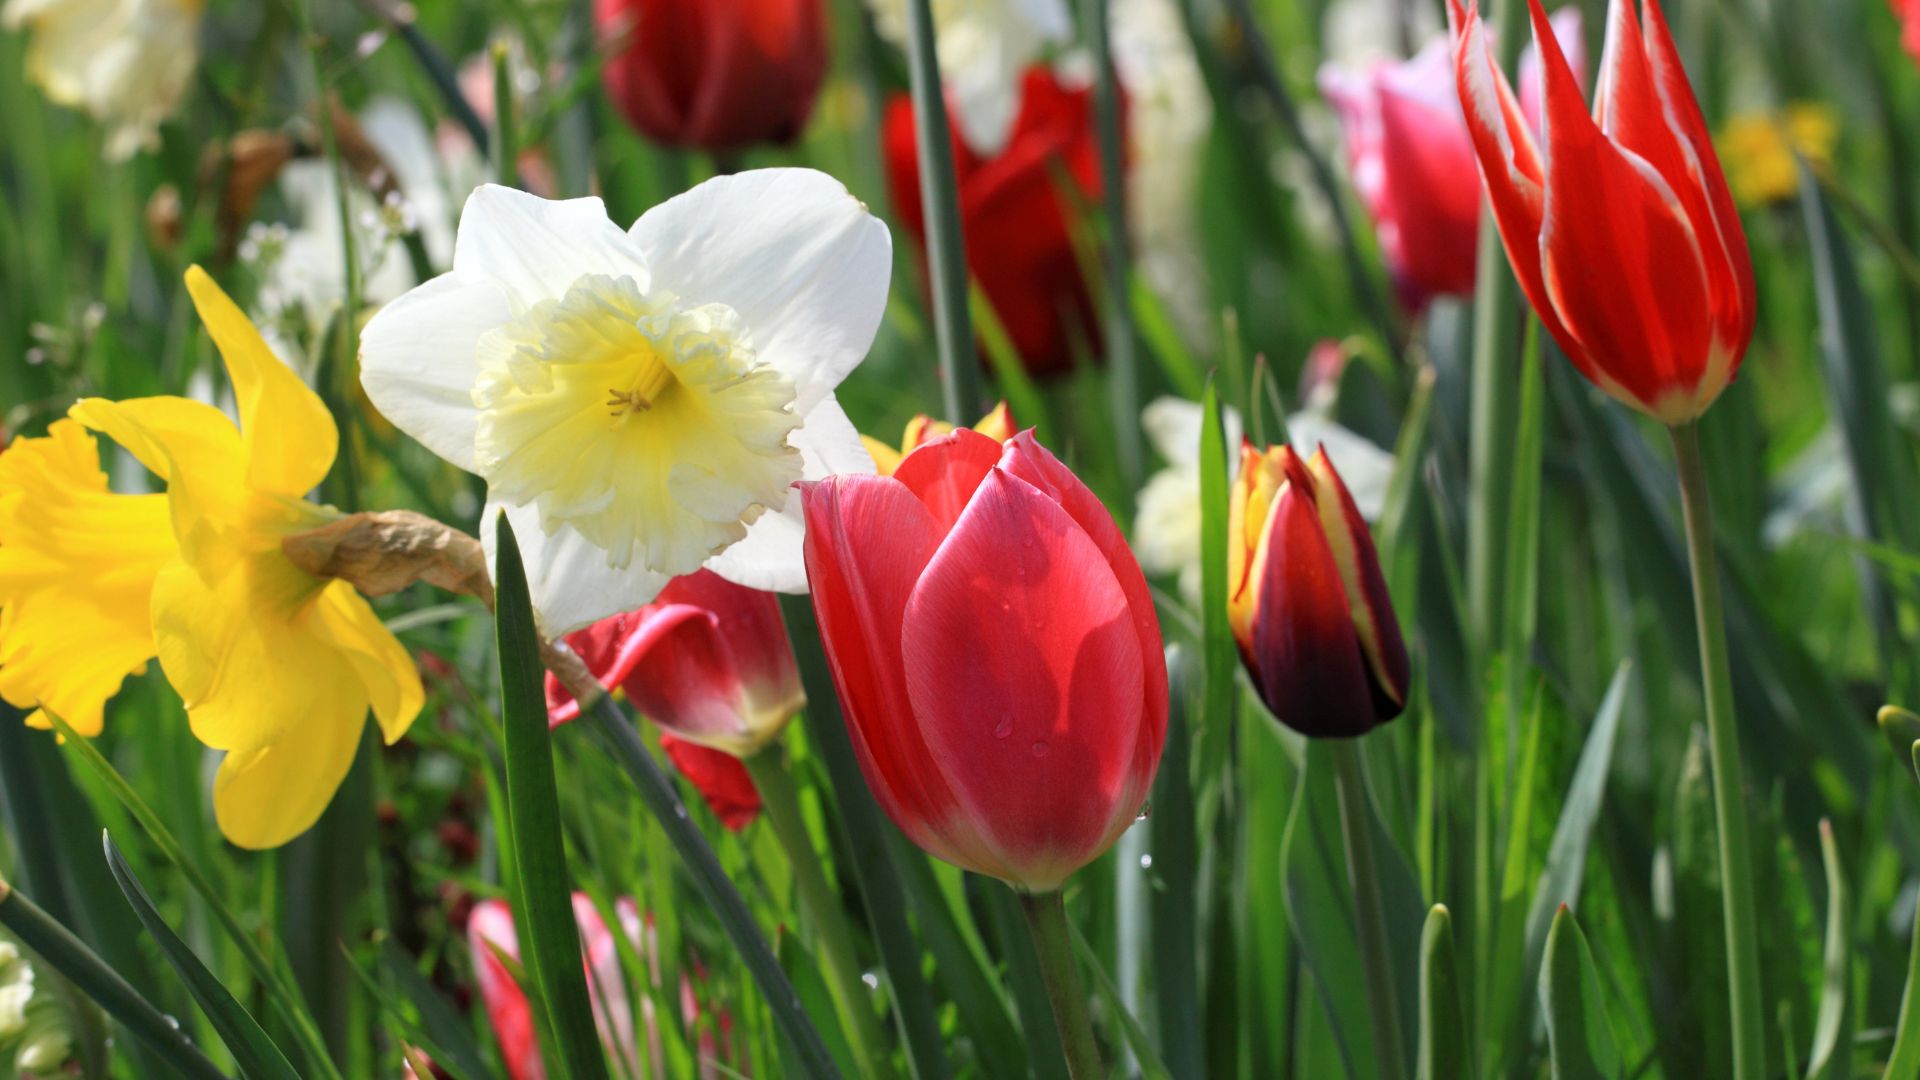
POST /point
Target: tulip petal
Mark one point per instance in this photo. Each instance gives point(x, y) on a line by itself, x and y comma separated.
point(681, 676)
point(1304, 653)
point(868, 539)
point(1430, 207)
point(1027, 682)
point(720, 778)
point(266, 795)
point(419, 360)
point(536, 248)
point(768, 558)
point(943, 472)
point(567, 576)
point(1374, 620)
point(800, 259)
point(755, 632)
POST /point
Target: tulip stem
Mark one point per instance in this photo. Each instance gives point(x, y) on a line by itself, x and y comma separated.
point(823, 909)
point(1053, 942)
point(1369, 910)
point(1736, 870)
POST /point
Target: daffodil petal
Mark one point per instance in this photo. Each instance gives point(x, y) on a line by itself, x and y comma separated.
point(385, 668)
point(266, 795)
point(77, 565)
point(792, 251)
point(290, 436)
point(419, 360)
point(536, 248)
point(769, 557)
point(169, 434)
point(567, 577)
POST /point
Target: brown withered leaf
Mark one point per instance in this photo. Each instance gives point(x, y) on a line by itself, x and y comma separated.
point(382, 552)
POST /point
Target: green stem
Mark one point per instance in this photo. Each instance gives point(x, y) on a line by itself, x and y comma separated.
point(1904, 1058)
point(1123, 377)
point(1369, 909)
point(1053, 943)
point(823, 909)
point(940, 206)
point(1736, 869)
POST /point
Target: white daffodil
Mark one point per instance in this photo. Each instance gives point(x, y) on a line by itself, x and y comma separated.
point(1166, 527)
point(984, 47)
point(127, 63)
point(641, 402)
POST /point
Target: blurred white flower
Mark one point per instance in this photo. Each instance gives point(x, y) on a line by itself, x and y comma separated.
point(640, 402)
point(1166, 527)
point(984, 47)
point(16, 990)
point(1169, 114)
point(126, 63)
point(1359, 33)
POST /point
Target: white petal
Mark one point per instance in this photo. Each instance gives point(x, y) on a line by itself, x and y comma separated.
point(1173, 427)
point(418, 365)
point(1364, 468)
point(769, 557)
point(802, 261)
point(569, 579)
point(537, 247)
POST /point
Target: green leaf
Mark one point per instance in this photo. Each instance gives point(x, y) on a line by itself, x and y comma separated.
point(1171, 898)
point(255, 1053)
point(1164, 342)
point(1832, 1041)
point(815, 997)
point(1222, 655)
point(551, 948)
point(1446, 1046)
point(1579, 1034)
point(1023, 396)
point(1904, 1059)
point(1522, 551)
point(451, 1033)
point(1150, 1065)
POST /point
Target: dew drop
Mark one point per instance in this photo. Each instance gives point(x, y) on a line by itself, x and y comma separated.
point(872, 980)
point(1005, 727)
point(1146, 861)
point(1146, 811)
point(1040, 749)
point(173, 1022)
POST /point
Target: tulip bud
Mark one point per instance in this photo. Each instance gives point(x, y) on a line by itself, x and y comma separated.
point(708, 661)
point(1619, 224)
point(996, 652)
point(1307, 602)
point(715, 75)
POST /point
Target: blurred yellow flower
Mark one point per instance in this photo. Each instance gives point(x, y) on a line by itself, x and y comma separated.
point(997, 425)
point(127, 63)
point(1757, 149)
point(277, 667)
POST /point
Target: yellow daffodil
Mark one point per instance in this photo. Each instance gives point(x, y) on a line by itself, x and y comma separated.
point(127, 63)
point(996, 425)
point(1757, 150)
point(77, 564)
point(278, 667)
point(641, 401)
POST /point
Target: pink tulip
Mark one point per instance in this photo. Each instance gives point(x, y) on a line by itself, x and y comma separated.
point(1413, 163)
point(508, 1011)
point(996, 652)
point(708, 661)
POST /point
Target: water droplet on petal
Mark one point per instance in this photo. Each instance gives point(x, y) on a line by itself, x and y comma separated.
point(1005, 727)
point(1040, 749)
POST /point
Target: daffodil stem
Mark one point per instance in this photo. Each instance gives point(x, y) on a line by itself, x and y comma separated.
point(1053, 942)
point(1736, 868)
point(1369, 910)
point(940, 206)
point(823, 909)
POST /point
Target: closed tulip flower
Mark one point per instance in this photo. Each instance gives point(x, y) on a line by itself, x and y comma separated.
point(996, 653)
point(720, 778)
point(708, 661)
point(996, 425)
point(716, 75)
point(1014, 216)
point(1306, 599)
point(1619, 224)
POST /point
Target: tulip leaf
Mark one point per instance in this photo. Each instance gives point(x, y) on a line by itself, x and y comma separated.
point(1023, 396)
point(1832, 1041)
point(816, 998)
point(1579, 1033)
point(1171, 898)
point(1131, 1033)
point(450, 1033)
point(1904, 1059)
point(1222, 655)
point(550, 947)
point(255, 1053)
point(1446, 1046)
point(1163, 340)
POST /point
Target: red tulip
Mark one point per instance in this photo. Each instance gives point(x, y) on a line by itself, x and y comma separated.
point(1015, 217)
point(708, 661)
point(1306, 599)
point(720, 779)
point(1412, 160)
point(996, 652)
point(714, 74)
point(1619, 225)
point(1908, 12)
point(508, 1011)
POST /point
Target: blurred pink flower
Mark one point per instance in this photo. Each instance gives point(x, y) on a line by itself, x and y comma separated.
point(1413, 164)
point(1908, 12)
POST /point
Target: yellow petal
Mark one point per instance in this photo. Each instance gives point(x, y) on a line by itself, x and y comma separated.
point(384, 666)
point(77, 566)
point(885, 458)
point(290, 437)
point(190, 445)
point(267, 795)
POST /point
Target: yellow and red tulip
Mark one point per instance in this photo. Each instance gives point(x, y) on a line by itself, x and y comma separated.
point(1306, 599)
point(996, 425)
point(1619, 224)
point(996, 652)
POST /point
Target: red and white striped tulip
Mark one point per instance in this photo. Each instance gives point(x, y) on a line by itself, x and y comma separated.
point(996, 653)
